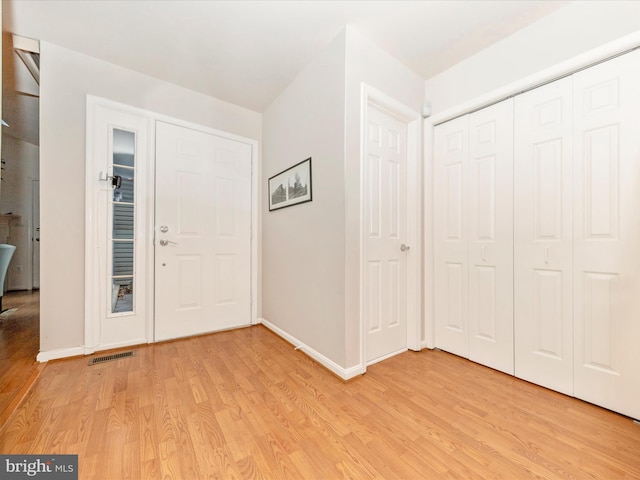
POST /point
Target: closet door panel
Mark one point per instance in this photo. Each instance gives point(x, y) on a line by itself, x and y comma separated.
point(607, 234)
point(542, 237)
point(491, 236)
point(451, 236)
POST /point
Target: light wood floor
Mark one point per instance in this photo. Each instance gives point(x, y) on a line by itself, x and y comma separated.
point(244, 404)
point(19, 345)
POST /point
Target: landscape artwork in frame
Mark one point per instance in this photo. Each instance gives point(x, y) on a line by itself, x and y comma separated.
point(291, 187)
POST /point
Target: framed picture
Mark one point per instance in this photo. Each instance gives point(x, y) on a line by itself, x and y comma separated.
point(291, 186)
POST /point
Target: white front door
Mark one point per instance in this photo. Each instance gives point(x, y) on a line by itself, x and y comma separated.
point(386, 249)
point(202, 232)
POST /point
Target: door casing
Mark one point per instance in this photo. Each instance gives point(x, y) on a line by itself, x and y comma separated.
point(35, 234)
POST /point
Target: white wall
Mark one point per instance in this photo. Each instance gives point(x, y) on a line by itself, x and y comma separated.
point(311, 252)
point(365, 62)
point(303, 245)
point(20, 169)
point(566, 33)
point(66, 78)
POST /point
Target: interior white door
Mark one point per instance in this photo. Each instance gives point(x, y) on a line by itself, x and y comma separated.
point(202, 232)
point(543, 239)
point(490, 187)
point(385, 296)
point(607, 234)
point(451, 240)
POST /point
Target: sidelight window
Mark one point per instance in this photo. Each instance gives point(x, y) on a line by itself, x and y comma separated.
point(123, 221)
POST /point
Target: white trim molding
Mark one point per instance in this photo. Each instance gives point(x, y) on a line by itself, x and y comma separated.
point(343, 373)
point(428, 240)
point(557, 71)
point(60, 353)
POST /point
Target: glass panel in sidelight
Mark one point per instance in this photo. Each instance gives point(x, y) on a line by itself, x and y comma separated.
point(123, 221)
point(122, 295)
point(122, 258)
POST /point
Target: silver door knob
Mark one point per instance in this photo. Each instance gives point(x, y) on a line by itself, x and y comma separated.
point(164, 242)
point(404, 248)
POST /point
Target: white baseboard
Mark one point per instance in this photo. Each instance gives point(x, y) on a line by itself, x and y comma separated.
point(89, 350)
point(86, 350)
point(60, 353)
point(343, 373)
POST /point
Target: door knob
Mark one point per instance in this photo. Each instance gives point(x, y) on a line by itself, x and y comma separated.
point(164, 242)
point(164, 229)
point(404, 248)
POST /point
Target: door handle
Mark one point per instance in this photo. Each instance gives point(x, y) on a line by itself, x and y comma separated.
point(164, 242)
point(404, 248)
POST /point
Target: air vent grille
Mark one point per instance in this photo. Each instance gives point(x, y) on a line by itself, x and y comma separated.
point(108, 358)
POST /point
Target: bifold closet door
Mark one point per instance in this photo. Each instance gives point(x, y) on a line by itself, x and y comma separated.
point(473, 236)
point(542, 237)
point(491, 236)
point(606, 190)
point(451, 245)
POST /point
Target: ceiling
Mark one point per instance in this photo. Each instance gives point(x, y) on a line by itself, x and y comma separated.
point(247, 52)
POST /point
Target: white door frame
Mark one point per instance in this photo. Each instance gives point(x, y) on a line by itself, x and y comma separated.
point(413, 120)
point(92, 184)
point(550, 74)
point(34, 262)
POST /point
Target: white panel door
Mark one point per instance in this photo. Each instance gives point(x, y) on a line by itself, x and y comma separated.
point(491, 236)
point(202, 232)
point(385, 296)
point(451, 244)
point(607, 234)
point(542, 224)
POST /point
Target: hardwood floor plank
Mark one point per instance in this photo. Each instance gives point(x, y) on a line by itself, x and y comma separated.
point(243, 404)
point(19, 345)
